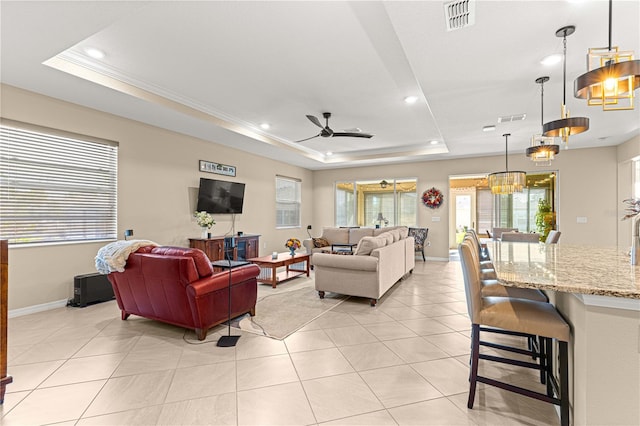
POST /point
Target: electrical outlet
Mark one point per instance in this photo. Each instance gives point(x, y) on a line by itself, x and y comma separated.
point(428, 243)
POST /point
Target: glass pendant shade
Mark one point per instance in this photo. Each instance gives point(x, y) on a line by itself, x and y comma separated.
point(507, 182)
point(542, 150)
point(612, 77)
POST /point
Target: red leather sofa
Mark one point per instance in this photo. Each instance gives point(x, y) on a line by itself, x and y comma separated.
point(177, 285)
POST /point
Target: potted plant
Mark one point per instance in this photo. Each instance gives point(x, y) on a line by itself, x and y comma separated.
point(545, 219)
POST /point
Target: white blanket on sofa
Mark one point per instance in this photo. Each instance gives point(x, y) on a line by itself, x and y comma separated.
point(113, 257)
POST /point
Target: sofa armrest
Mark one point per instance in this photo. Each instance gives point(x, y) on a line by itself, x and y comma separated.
point(360, 263)
point(307, 243)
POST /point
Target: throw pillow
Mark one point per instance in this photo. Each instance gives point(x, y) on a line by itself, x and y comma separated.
point(320, 242)
point(368, 244)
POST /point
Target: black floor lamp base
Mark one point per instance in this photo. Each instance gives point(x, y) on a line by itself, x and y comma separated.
point(227, 341)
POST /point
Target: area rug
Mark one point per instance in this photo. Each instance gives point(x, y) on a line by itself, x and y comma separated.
point(280, 312)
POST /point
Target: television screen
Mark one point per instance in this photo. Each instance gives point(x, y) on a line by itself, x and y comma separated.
point(219, 196)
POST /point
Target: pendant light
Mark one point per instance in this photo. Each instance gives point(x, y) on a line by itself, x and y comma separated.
point(566, 126)
point(506, 182)
point(612, 78)
point(542, 150)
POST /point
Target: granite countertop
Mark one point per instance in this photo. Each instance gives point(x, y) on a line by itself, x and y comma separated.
point(605, 271)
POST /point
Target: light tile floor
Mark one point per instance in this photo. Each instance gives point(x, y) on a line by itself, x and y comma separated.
point(404, 362)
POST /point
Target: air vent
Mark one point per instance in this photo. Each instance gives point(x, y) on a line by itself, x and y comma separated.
point(510, 118)
point(460, 14)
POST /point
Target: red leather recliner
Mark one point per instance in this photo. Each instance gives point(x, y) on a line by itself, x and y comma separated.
point(177, 285)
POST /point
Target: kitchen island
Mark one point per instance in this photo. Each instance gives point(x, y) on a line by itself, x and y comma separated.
point(597, 290)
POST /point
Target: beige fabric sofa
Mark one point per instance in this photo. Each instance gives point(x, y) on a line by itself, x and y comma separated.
point(377, 264)
point(334, 235)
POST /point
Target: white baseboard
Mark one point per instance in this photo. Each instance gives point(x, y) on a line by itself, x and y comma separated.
point(438, 259)
point(37, 308)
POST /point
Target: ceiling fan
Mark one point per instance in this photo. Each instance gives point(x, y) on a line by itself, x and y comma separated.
point(326, 131)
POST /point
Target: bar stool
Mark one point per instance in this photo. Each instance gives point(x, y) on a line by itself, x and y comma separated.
point(489, 280)
point(517, 317)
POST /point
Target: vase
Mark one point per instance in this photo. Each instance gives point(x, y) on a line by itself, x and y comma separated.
point(205, 232)
point(292, 251)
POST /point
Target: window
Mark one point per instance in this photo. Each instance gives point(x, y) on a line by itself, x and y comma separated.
point(55, 186)
point(288, 202)
point(384, 202)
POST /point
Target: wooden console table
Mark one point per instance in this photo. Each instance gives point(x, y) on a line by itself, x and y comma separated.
point(246, 246)
point(4, 292)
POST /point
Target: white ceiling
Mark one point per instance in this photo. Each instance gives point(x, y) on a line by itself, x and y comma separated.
point(218, 69)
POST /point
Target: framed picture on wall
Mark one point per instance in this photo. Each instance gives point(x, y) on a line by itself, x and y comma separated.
point(217, 168)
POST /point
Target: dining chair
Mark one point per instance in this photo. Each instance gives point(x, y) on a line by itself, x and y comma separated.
point(515, 317)
point(420, 237)
point(497, 232)
point(552, 237)
point(522, 237)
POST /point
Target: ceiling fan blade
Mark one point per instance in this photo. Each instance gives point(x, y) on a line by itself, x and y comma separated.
point(315, 121)
point(302, 140)
point(352, 135)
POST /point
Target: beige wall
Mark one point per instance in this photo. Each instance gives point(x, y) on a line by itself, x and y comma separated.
point(586, 179)
point(158, 177)
point(627, 152)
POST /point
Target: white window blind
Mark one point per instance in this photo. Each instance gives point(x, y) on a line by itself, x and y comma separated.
point(55, 186)
point(288, 200)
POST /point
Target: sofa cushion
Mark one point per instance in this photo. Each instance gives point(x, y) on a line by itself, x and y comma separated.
point(336, 235)
point(396, 234)
point(356, 234)
point(387, 236)
point(368, 244)
point(404, 232)
point(320, 242)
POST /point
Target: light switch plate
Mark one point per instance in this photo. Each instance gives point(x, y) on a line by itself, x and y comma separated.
point(435, 219)
point(581, 219)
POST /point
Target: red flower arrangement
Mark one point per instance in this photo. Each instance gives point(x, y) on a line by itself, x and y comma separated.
point(432, 198)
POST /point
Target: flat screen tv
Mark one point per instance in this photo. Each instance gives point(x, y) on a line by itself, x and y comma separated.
point(219, 196)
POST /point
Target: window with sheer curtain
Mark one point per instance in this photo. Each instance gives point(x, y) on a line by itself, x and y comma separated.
point(288, 201)
point(56, 187)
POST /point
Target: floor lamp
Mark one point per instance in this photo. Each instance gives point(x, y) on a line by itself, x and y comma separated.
point(228, 340)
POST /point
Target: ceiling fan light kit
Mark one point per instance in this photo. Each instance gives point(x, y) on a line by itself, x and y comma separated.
point(327, 132)
point(612, 78)
point(566, 126)
point(507, 182)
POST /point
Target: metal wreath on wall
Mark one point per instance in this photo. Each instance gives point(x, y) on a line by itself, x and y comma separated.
point(432, 198)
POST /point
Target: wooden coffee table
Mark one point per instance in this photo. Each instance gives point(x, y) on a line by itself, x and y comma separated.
point(268, 267)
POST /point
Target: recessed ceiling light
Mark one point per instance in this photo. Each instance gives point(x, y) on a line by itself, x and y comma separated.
point(490, 128)
point(94, 53)
point(434, 142)
point(329, 154)
point(551, 59)
point(411, 99)
point(265, 126)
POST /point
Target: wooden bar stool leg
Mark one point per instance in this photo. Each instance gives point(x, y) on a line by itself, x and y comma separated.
point(475, 355)
point(542, 348)
point(549, 370)
point(564, 383)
